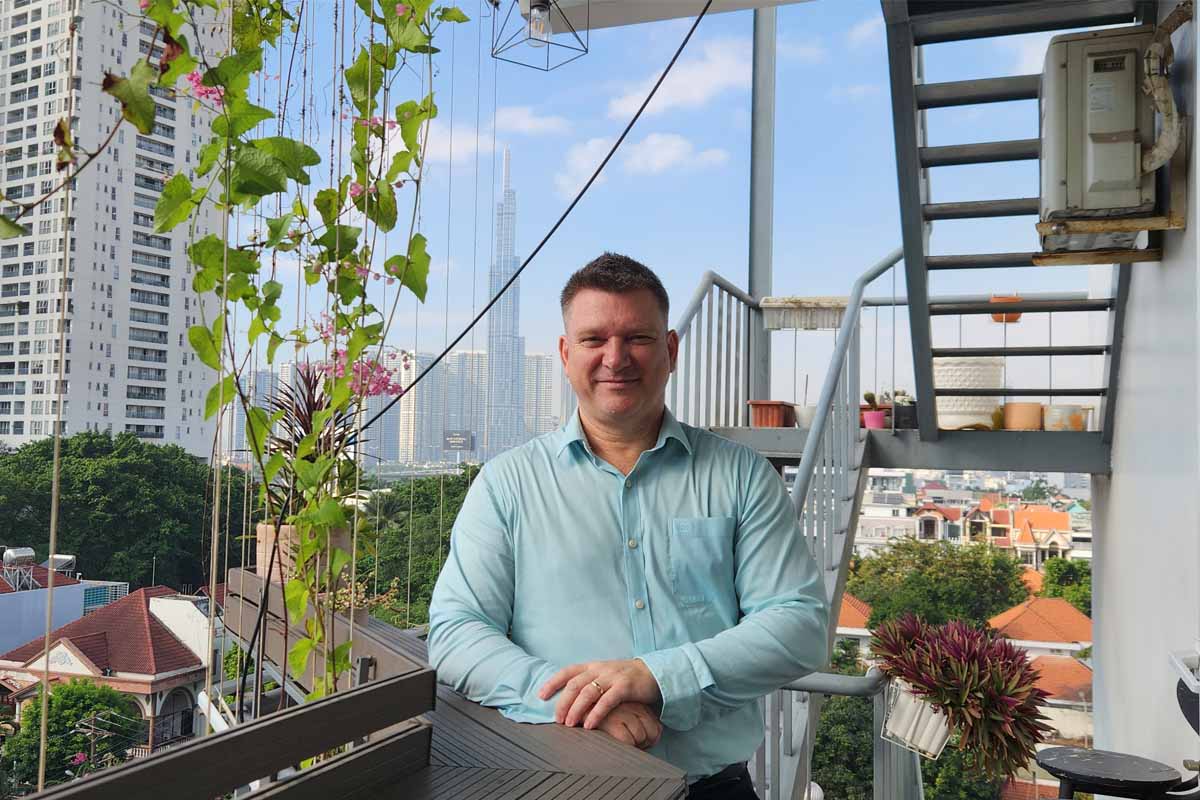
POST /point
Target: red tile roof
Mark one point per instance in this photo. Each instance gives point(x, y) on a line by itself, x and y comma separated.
point(1064, 678)
point(1044, 619)
point(122, 636)
point(1045, 789)
point(1025, 534)
point(41, 576)
point(947, 512)
point(1032, 579)
point(1043, 518)
point(854, 613)
point(1000, 516)
point(986, 503)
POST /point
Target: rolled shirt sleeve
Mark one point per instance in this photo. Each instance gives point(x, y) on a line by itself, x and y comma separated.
point(471, 611)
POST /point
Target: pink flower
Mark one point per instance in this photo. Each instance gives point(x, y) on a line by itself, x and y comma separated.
point(390, 280)
point(392, 124)
point(362, 271)
point(401, 9)
point(144, 5)
point(356, 190)
point(399, 184)
point(214, 93)
point(80, 758)
point(372, 189)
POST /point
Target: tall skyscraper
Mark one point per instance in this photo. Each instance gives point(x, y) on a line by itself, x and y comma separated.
point(506, 348)
point(129, 299)
point(381, 442)
point(259, 386)
point(539, 394)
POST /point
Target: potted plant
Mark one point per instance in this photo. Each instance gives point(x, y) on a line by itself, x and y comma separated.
point(1022, 416)
point(873, 415)
point(1006, 317)
point(771, 414)
point(961, 679)
point(1066, 417)
point(904, 409)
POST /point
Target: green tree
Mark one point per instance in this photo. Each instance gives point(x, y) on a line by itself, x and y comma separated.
point(71, 704)
point(1039, 490)
point(950, 777)
point(938, 580)
point(1070, 580)
point(129, 510)
point(407, 536)
point(843, 753)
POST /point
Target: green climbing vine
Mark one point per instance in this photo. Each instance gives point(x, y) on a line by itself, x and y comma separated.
point(308, 484)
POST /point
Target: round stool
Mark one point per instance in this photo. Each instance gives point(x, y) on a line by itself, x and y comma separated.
point(1105, 772)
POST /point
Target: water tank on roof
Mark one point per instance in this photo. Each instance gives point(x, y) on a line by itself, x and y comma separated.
point(19, 557)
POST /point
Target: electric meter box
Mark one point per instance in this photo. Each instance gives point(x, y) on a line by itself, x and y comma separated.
point(1095, 120)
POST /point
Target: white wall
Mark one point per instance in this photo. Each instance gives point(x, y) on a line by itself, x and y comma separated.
point(1146, 565)
point(183, 619)
point(23, 614)
point(1071, 723)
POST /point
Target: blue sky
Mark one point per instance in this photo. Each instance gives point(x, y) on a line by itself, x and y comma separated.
point(677, 196)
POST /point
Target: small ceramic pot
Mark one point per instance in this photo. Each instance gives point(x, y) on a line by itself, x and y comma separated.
point(805, 416)
point(1011, 316)
point(1022, 416)
point(906, 416)
point(876, 420)
point(1067, 417)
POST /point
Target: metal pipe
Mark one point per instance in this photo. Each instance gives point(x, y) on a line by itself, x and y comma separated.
point(708, 280)
point(849, 320)
point(762, 190)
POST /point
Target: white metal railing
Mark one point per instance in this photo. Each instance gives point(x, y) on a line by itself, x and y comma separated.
point(711, 382)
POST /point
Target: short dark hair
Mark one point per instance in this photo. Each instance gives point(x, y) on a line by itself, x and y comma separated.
point(613, 272)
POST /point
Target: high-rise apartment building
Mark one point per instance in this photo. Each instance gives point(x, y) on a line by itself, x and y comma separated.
point(259, 386)
point(539, 394)
point(128, 365)
point(506, 347)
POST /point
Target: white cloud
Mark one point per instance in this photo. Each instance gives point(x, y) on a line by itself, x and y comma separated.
point(660, 152)
point(807, 51)
point(1028, 50)
point(721, 65)
point(582, 160)
point(868, 31)
point(854, 92)
point(523, 119)
point(440, 147)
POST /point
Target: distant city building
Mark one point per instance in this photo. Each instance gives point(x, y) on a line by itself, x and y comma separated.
point(539, 394)
point(506, 347)
point(381, 442)
point(260, 386)
point(567, 401)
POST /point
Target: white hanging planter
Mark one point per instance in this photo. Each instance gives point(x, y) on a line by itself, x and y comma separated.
point(913, 723)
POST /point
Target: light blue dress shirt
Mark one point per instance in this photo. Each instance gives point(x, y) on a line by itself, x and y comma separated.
point(693, 563)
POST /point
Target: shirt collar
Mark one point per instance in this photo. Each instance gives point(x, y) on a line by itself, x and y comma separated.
point(670, 429)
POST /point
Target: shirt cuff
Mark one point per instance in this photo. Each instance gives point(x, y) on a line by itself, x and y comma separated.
point(532, 708)
point(682, 676)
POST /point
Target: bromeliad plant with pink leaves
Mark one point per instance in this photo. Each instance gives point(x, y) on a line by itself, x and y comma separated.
point(982, 682)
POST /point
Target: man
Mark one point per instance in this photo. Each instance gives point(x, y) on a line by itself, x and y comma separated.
point(629, 573)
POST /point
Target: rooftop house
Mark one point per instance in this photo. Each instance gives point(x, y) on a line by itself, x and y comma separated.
point(407, 732)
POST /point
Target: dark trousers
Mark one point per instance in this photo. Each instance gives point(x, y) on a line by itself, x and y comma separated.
point(731, 783)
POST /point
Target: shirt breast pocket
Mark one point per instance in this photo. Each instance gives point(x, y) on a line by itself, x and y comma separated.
point(701, 559)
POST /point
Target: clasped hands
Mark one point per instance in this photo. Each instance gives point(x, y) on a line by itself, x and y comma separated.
point(617, 697)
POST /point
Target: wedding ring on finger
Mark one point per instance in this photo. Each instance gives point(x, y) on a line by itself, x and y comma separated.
point(599, 688)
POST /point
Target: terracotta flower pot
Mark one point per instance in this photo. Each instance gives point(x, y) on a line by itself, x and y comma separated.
point(1022, 416)
point(1011, 316)
point(771, 414)
point(288, 544)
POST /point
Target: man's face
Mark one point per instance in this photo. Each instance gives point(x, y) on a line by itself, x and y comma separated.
point(618, 355)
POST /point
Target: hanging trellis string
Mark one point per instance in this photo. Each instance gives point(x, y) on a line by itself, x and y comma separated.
point(558, 223)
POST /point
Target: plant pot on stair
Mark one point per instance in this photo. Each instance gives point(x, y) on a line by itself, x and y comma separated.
point(772, 414)
point(1007, 317)
point(985, 372)
point(874, 416)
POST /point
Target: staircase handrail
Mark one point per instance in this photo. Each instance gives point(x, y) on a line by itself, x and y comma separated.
point(708, 280)
point(850, 318)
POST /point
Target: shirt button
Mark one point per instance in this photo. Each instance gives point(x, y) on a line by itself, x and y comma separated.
point(633, 544)
point(629, 483)
point(639, 605)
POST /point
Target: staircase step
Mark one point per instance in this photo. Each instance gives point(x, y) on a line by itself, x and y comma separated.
point(1020, 392)
point(983, 90)
point(1026, 306)
point(979, 352)
point(981, 153)
point(976, 209)
point(1007, 19)
point(979, 261)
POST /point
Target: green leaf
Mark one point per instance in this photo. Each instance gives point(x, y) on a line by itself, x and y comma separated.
point(381, 206)
point(258, 427)
point(277, 229)
point(329, 204)
point(233, 72)
point(295, 594)
point(272, 346)
point(298, 656)
point(294, 156)
point(209, 154)
point(257, 173)
point(174, 204)
point(407, 33)
point(163, 12)
point(340, 241)
point(272, 467)
point(311, 474)
point(240, 115)
point(207, 350)
point(219, 396)
point(364, 79)
point(413, 271)
point(178, 61)
point(257, 329)
point(400, 164)
point(10, 229)
point(133, 93)
point(330, 515)
point(355, 344)
point(452, 14)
